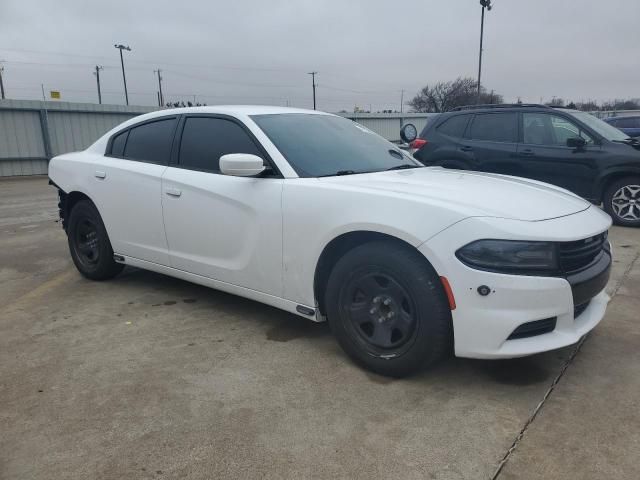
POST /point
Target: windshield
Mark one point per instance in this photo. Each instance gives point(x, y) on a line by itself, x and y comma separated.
point(609, 132)
point(325, 145)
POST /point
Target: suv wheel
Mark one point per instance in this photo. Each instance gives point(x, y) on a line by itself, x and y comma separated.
point(388, 309)
point(622, 201)
point(89, 243)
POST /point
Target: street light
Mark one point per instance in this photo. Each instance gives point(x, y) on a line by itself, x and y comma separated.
point(485, 4)
point(124, 78)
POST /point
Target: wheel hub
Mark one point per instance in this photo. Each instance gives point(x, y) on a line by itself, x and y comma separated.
point(383, 308)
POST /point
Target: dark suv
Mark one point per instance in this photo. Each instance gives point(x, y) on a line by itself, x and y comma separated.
point(568, 148)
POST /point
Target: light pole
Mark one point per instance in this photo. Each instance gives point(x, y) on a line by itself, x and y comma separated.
point(97, 74)
point(124, 78)
point(160, 96)
point(485, 4)
point(313, 83)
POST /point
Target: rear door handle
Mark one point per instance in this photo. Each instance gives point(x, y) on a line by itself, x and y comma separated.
point(527, 153)
point(100, 174)
point(174, 192)
point(466, 148)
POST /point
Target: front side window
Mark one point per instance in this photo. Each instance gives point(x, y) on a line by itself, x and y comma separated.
point(552, 130)
point(151, 142)
point(206, 139)
point(494, 127)
point(318, 145)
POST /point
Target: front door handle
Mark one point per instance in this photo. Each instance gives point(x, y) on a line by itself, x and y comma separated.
point(527, 153)
point(174, 192)
point(466, 148)
point(100, 174)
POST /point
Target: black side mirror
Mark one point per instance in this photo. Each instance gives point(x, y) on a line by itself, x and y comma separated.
point(408, 133)
point(576, 142)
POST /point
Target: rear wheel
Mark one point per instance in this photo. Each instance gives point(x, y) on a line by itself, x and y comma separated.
point(89, 243)
point(622, 201)
point(388, 309)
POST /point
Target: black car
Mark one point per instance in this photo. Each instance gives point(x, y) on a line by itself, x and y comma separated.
point(568, 148)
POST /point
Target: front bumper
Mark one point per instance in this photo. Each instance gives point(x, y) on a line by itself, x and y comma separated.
point(482, 325)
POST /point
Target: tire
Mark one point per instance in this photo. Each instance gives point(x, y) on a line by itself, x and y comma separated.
point(388, 310)
point(89, 243)
point(622, 201)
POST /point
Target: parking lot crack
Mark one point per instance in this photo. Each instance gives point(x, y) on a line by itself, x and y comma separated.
point(557, 379)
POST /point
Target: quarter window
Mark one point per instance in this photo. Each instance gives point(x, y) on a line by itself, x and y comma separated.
point(205, 140)
point(117, 145)
point(151, 142)
point(494, 127)
point(546, 129)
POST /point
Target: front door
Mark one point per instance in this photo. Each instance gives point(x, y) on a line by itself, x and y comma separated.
point(491, 139)
point(545, 156)
point(222, 227)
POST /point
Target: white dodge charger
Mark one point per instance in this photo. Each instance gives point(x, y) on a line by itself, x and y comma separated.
point(315, 214)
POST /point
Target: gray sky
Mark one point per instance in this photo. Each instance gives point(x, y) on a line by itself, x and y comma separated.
point(366, 51)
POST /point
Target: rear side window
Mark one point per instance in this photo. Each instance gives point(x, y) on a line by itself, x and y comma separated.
point(454, 126)
point(205, 140)
point(151, 142)
point(117, 145)
point(494, 127)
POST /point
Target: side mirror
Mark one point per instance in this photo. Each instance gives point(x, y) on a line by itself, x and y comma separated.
point(576, 142)
point(408, 133)
point(241, 165)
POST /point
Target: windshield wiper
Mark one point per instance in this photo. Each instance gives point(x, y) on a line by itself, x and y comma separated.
point(340, 173)
point(402, 167)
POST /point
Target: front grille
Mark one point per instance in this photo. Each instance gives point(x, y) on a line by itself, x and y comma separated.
point(531, 329)
point(579, 309)
point(581, 253)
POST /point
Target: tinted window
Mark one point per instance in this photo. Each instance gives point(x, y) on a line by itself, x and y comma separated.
point(454, 126)
point(545, 129)
point(494, 127)
point(117, 146)
point(205, 140)
point(324, 145)
point(151, 142)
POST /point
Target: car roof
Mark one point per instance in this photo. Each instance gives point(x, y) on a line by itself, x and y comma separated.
point(234, 110)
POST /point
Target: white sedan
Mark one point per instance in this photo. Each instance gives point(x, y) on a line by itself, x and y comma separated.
point(315, 214)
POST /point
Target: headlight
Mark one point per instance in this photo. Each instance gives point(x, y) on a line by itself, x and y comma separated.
point(510, 256)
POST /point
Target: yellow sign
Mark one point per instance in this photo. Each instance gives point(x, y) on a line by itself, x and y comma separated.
point(55, 94)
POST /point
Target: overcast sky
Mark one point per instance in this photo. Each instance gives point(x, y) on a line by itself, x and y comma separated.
point(366, 51)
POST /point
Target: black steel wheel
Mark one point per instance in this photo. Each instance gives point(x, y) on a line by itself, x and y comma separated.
point(388, 309)
point(89, 243)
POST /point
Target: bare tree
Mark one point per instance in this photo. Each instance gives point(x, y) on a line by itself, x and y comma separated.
point(444, 96)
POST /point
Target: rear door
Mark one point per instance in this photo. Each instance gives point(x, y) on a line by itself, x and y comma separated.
point(492, 140)
point(545, 156)
point(126, 189)
point(219, 226)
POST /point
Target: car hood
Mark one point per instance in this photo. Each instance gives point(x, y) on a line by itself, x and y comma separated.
point(471, 193)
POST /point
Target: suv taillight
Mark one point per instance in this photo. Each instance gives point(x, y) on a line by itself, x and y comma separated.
point(418, 143)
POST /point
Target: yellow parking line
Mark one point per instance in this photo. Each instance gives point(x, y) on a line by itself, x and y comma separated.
point(44, 287)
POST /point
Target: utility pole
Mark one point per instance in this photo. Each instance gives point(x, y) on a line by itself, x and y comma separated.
point(485, 4)
point(97, 74)
point(313, 83)
point(401, 100)
point(1, 83)
point(124, 78)
point(160, 96)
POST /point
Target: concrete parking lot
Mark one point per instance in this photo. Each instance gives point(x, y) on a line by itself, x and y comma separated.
point(146, 376)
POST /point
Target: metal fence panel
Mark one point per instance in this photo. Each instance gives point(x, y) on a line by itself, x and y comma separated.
point(20, 135)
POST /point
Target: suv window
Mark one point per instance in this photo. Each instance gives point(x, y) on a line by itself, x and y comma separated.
point(547, 129)
point(494, 127)
point(206, 139)
point(627, 123)
point(151, 142)
point(454, 126)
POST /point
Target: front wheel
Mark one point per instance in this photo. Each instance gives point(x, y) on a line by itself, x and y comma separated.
point(89, 243)
point(387, 308)
point(622, 201)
